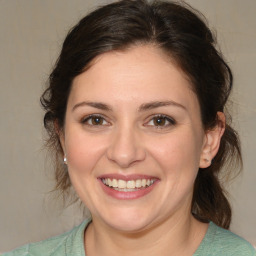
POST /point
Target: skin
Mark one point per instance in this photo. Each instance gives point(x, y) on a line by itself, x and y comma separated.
point(128, 141)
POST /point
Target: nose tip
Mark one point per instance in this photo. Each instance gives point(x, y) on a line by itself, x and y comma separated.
point(126, 149)
point(125, 160)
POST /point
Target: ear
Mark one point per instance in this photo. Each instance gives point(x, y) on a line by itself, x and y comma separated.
point(212, 141)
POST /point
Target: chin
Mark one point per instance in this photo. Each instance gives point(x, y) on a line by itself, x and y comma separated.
point(127, 220)
point(129, 226)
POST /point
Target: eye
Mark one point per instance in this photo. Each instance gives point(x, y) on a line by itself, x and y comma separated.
point(94, 120)
point(161, 121)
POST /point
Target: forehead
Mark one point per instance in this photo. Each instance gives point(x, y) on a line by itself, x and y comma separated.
point(138, 73)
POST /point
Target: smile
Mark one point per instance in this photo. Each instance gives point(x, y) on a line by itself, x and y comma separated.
point(129, 185)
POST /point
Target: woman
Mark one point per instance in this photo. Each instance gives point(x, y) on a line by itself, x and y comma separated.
point(135, 111)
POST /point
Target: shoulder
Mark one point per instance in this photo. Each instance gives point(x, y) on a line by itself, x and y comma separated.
point(219, 241)
point(46, 247)
point(232, 243)
point(64, 244)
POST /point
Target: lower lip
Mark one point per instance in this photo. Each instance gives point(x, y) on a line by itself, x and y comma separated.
point(121, 195)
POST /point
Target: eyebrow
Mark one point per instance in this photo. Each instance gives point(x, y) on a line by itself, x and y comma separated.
point(143, 107)
point(157, 104)
point(97, 105)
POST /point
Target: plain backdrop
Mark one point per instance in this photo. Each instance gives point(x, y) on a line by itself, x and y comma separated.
point(31, 33)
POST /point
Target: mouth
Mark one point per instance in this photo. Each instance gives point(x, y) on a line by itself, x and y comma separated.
point(128, 185)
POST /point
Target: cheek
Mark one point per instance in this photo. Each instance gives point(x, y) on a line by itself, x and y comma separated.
point(84, 151)
point(178, 154)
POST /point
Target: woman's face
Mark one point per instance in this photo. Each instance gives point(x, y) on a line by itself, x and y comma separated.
point(133, 138)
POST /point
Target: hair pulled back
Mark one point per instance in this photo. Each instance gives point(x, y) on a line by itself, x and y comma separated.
point(182, 35)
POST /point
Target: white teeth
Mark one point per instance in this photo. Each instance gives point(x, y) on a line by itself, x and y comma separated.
point(121, 184)
point(130, 185)
point(138, 183)
point(114, 183)
point(110, 182)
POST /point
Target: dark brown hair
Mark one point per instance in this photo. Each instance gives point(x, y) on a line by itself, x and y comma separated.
point(182, 34)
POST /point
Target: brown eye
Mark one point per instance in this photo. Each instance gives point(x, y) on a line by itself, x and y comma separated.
point(94, 120)
point(159, 121)
point(97, 120)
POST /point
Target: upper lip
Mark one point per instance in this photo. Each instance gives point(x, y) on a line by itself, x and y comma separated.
point(126, 177)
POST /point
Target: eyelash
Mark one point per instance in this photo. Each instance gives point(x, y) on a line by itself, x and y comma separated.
point(90, 118)
point(168, 119)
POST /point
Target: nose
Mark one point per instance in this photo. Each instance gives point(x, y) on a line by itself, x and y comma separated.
point(126, 148)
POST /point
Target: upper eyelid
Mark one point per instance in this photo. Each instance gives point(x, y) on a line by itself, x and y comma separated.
point(169, 118)
point(163, 116)
point(87, 117)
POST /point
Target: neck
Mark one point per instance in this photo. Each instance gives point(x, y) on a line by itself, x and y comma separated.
point(180, 236)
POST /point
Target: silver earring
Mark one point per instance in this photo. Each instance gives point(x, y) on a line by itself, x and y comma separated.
point(65, 160)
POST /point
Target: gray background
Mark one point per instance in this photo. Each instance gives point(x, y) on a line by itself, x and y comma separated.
point(31, 32)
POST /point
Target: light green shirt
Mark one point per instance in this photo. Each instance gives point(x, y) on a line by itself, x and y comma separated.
point(217, 242)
